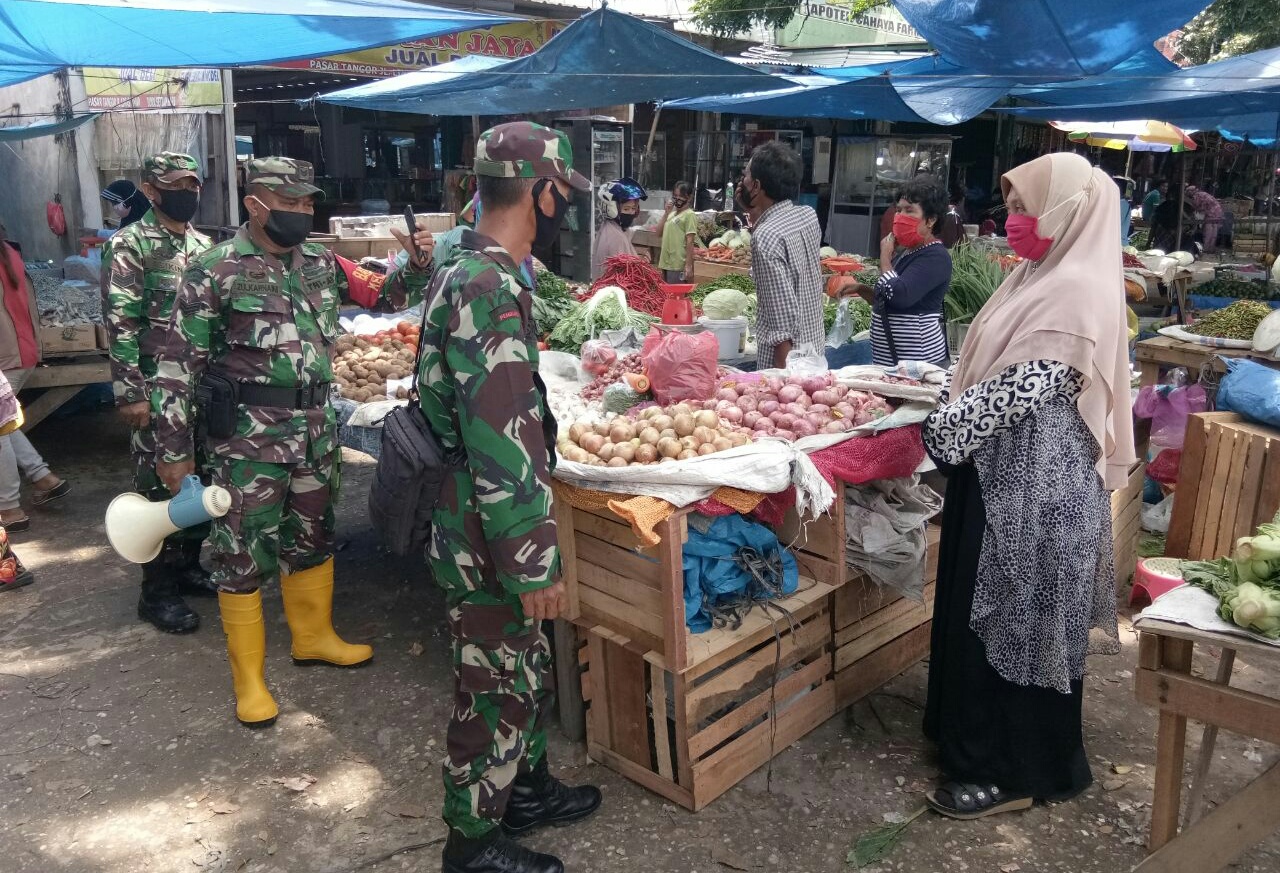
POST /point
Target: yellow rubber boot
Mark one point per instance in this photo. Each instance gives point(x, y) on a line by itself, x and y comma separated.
point(247, 649)
point(308, 607)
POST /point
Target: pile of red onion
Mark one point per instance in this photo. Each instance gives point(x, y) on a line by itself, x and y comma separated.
point(795, 407)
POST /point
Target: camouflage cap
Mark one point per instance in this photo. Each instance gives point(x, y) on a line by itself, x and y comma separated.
point(170, 167)
point(287, 176)
point(524, 150)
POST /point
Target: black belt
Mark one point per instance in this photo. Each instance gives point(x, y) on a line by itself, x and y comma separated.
point(306, 397)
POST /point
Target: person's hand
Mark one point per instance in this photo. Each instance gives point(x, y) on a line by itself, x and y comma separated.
point(136, 415)
point(840, 285)
point(423, 240)
point(545, 603)
point(172, 474)
point(887, 245)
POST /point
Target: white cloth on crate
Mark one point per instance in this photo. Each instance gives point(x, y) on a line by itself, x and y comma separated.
point(1046, 572)
point(885, 531)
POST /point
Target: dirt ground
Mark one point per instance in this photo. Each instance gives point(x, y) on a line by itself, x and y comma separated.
point(119, 751)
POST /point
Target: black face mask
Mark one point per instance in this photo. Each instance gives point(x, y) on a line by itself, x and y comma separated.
point(626, 219)
point(286, 229)
point(180, 205)
point(548, 226)
point(742, 195)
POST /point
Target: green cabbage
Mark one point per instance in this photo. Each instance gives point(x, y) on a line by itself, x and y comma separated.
point(724, 303)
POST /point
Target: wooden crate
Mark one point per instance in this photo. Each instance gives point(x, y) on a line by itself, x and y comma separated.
point(71, 338)
point(691, 735)
point(637, 592)
point(1228, 484)
point(878, 633)
point(1126, 523)
point(705, 271)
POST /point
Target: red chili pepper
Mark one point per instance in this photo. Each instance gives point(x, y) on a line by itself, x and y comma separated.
point(638, 278)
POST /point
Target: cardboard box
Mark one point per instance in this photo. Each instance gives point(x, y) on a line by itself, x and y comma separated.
point(71, 338)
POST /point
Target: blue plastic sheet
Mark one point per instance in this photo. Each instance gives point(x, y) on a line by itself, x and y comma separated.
point(41, 36)
point(604, 58)
point(711, 576)
point(1252, 390)
point(1046, 39)
point(43, 128)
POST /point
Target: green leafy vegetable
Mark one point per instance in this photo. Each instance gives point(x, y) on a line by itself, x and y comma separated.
point(724, 303)
point(975, 276)
point(875, 845)
point(729, 280)
point(583, 324)
point(551, 301)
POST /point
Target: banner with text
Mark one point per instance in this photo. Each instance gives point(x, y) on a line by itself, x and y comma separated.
point(508, 41)
point(186, 90)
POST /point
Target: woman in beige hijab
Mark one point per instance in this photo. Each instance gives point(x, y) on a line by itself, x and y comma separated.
point(1033, 430)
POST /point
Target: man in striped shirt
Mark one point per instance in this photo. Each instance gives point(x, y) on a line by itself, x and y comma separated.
point(785, 241)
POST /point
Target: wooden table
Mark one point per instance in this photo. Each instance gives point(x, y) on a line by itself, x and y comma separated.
point(1163, 351)
point(63, 378)
point(1164, 681)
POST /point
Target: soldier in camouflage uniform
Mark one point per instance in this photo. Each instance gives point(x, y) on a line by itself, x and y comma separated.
point(144, 266)
point(493, 547)
point(260, 313)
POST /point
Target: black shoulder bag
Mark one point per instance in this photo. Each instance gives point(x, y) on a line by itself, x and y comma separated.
point(412, 467)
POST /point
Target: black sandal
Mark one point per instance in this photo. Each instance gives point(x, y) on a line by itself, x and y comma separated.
point(966, 801)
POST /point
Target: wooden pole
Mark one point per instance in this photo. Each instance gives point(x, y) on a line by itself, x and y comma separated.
point(653, 128)
point(1271, 190)
point(1182, 195)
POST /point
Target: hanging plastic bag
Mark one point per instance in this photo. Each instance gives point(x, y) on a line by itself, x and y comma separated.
point(842, 328)
point(1252, 390)
point(1168, 407)
point(680, 366)
point(55, 216)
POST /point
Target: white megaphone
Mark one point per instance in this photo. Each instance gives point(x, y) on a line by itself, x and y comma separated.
point(136, 527)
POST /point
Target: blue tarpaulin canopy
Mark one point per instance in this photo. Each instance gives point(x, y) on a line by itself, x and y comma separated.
point(42, 36)
point(1243, 85)
point(604, 58)
point(1045, 39)
point(43, 128)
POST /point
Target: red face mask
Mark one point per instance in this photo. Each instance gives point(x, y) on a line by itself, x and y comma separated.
point(1023, 238)
point(906, 230)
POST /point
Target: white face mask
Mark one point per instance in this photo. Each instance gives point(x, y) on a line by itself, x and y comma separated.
point(122, 210)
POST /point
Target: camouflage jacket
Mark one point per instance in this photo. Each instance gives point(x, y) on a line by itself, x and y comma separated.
point(258, 319)
point(144, 271)
point(477, 390)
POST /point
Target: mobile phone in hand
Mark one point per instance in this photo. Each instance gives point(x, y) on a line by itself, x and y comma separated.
point(411, 228)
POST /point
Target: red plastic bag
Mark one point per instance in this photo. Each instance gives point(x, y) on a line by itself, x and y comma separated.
point(56, 217)
point(364, 286)
point(680, 366)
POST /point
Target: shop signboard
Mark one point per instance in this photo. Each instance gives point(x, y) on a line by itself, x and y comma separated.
point(500, 41)
point(821, 25)
point(193, 89)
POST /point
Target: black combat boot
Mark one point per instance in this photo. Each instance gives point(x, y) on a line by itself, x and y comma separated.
point(160, 602)
point(494, 853)
point(538, 798)
point(193, 580)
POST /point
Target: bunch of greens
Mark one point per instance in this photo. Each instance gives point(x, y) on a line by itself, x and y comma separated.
point(551, 301)
point(1242, 289)
point(585, 322)
point(1247, 584)
point(859, 314)
point(975, 276)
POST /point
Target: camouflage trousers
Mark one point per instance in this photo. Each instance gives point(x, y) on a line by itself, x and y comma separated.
point(502, 691)
point(279, 512)
point(142, 451)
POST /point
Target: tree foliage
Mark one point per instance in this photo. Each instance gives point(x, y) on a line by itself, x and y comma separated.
point(730, 17)
point(1232, 27)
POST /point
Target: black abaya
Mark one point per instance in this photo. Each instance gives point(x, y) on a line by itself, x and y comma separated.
point(1025, 739)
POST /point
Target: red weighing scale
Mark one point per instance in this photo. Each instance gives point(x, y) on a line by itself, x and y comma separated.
point(678, 308)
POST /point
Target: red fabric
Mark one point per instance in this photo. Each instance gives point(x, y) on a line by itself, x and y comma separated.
point(18, 304)
point(1164, 469)
point(364, 286)
point(890, 454)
